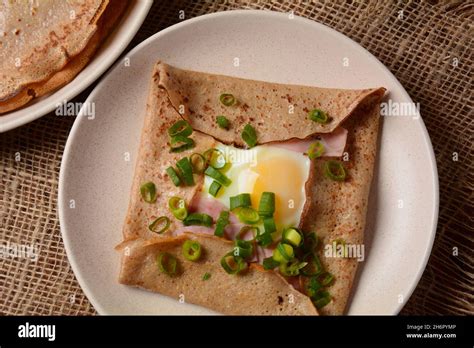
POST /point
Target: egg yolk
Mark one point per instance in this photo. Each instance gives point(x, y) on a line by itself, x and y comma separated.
point(281, 175)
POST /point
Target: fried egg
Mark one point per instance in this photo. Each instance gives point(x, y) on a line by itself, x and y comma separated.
point(266, 168)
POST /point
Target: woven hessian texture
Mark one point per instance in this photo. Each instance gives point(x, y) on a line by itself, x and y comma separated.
point(427, 47)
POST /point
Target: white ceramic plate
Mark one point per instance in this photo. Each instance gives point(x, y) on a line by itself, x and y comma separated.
point(270, 46)
point(102, 60)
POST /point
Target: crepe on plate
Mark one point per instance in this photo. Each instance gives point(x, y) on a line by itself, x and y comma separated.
point(300, 135)
point(45, 44)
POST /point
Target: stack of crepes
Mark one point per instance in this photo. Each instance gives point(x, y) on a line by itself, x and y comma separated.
point(45, 44)
point(198, 224)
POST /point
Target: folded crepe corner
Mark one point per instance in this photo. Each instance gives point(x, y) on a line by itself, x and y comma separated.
point(265, 106)
point(221, 292)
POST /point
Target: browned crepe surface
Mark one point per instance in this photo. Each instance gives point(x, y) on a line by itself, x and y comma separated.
point(277, 111)
point(338, 209)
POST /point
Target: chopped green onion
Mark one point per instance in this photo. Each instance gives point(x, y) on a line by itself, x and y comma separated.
point(215, 158)
point(243, 248)
point(292, 236)
point(264, 239)
point(173, 176)
point(191, 250)
point(215, 174)
point(315, 150)
point(233, 264)
point(335, 170)
point(162, 220)
point(267, 204)
point(313, 287)
point(206, 276)
point(283, 252)
point(167, 263)
point(214, 188)
point(248, 216)
point(180, 143)
point(148, 192)
point(246, 229)
point(321, 299)
point(198, 219)
point(222, 222)
point(310, 242)
point(313, 267)
point(223, 122)
point(180, 128)
point(239, 201)
point(269, 263)
point(227, 99)
point(269, 225)
point(326, 278)
point(198, 162)
point(178, 208)
point(291, 268)
point(186, 170)
point(317, 115)
point(249, 136)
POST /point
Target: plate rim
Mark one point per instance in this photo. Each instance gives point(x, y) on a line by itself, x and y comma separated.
point(191, 21)
point(137, 12)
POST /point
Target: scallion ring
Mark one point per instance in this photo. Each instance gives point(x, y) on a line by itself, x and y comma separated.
point(313, 287)
point(269, 225)
point(326, 278)
point(321, 299)
point(167, 263)
point(266, 206)
point(239, 201)
point(291, 268)
point(334, 170)
point(283, 252)
point(178, 208)
point(233, 264)
point(292, 236)
point(315, 150)
point(249, 135)
point(148, 192)
point(264, 239)
point(198, 162)
point(184, 165)
point(248, 215)
point(222, 122)
point(215, 158)
point(160, 225)
point(173, 176)
point(254, 230)
point(317, 115)
point(227, 99)
point(180, 143)
point(222, 222)
point(243, 248)
point(191, 250)
point(198, 219)
point(214, 188)
point(313, 266)
point(216, 175)
point(269, 263)
point(310, 241)
point(180, 128)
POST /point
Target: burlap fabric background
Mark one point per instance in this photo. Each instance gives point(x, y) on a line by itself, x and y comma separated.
point(427, 46)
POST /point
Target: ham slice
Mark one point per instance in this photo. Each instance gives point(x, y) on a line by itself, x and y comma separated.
point(202, 204)
point(212, 207)
point(334, 143)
